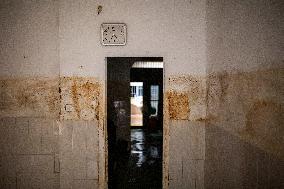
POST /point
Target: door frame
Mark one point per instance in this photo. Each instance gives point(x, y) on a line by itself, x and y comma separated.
point(103, 135)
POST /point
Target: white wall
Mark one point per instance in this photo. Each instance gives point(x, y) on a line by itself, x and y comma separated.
point(29, 38)
point(172, 29)
point(244, 35)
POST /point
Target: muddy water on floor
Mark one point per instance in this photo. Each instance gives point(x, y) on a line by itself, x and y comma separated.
point(142, 168)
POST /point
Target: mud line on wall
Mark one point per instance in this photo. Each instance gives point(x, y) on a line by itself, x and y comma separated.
point(29, 97)
point(187, 97)
point(249, 105)
point(254, 94)
point(86, 98)
point(178, 108)
point(102, 140)
point(82, 95)
point(166, 135)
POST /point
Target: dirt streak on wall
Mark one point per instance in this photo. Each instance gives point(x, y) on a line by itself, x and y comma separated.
point(29, 97)
point(185, 116)
point(41, 97)
point(186, 97)
point(249, 105)
point(81, 98)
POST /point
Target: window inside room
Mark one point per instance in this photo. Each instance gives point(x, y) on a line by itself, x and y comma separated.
point(136, 102)
point(154, 100)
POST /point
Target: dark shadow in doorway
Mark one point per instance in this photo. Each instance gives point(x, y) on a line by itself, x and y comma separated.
point(134, 154)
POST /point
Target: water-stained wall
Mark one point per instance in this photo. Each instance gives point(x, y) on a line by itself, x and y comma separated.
point(81, 118)
point(30, 100)
point(185, 112)
point(223, 90)
point(244, 137)
point(174, 30)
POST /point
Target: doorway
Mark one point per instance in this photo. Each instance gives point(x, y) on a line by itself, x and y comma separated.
point(135, 122)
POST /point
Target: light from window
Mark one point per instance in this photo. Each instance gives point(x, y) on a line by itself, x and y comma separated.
point(154, 100)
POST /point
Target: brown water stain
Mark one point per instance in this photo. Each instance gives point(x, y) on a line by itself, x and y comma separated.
point(264, 122)
point(183, 79)
point(224, 84)
point(248, 105)
point(84, 94)
point(263, 113)
point(193, 85)
point(36, 96)
point(207, 119)
point(75, 98)
point(178, 105)
point(193, 90)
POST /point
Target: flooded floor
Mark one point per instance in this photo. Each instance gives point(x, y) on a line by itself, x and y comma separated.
point(142, 168)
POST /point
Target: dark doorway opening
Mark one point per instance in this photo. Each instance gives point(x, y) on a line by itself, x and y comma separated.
point(135, 122)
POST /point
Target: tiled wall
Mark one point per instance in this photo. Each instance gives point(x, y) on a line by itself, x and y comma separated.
point(29, 153)
point(79, 154)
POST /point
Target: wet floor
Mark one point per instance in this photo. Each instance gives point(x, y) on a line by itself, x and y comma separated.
point(142, 168)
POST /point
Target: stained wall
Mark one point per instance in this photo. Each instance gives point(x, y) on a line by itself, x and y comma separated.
point(29, 103)
point(244, 130)
point(53, 74)
point(223, 97)
point(174, 30)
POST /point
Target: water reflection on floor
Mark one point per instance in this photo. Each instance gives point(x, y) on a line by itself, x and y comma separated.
point(143, 167)
point(138, 146)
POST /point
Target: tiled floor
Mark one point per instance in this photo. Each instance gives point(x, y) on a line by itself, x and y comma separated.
point(143, 167)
